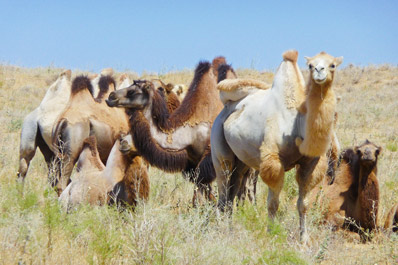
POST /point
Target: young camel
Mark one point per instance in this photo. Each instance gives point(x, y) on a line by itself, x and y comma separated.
point(123, 180)
point(172, 142)
point(352, 201)
point(274, 119)
point(83, 117)
point(37, 125)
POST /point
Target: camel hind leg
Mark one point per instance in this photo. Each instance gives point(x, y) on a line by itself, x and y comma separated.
point(28, 145)
point(272, 173)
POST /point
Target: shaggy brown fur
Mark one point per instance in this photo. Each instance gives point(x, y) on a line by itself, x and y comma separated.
point(352, 200)
point(392, 219)
point(167, 160)
point(225, 71)
point(169, 97)
point(135, 184)
point(81, 83)
point(104, 84)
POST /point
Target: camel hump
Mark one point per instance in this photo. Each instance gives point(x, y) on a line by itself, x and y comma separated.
point(81, 83)
point(107, 71)
point(236, 89)
point(231, 85)
point(290, 55)
point(123, 77)
point(67, 73)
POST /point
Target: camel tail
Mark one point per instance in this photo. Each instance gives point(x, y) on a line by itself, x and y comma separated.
point(290, 55)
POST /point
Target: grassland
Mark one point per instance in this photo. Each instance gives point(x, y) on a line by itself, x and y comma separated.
point(166, 229)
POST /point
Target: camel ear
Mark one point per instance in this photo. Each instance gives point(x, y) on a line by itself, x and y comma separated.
point(338, 60)
point(169, 87)
point(308, 59)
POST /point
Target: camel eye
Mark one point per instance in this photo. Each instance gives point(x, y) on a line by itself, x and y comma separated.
point(310, 66)
point(332, 66)
point(130, 93)
point(359, 152)
point(377, 152)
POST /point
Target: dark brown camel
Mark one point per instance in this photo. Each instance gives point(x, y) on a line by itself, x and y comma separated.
point(352, 201)
point(177, 141)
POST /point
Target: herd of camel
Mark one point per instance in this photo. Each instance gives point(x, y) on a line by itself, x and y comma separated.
point(221, 128)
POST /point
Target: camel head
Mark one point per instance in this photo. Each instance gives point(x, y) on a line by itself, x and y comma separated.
point(322, 67)
point(137, 96)
point(368, 153)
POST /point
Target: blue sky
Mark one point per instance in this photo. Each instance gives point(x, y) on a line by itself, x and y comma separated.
point(160, 36)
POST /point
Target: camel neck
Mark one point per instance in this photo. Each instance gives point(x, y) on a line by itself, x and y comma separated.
point(115, 165)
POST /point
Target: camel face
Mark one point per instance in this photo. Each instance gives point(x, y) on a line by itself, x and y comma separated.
point(135, 96)
point(322, 67)
point(368, 153)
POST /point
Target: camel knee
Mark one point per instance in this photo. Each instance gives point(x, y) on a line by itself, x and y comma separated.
point(272, 171)
point(23, 169)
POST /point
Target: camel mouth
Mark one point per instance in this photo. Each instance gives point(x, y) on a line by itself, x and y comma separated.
point(320, 81)
point(111, 103)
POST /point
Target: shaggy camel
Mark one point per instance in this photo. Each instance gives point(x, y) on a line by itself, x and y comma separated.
point(37, 126)
point(83, 117)
point(172, 142)
point(274, 119)
point(392, 219)
point(124, 179)
point(352, 201)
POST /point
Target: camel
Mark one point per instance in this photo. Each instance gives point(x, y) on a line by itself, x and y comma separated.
point(276, 116)
point(123, 180)
point(391, 222)
point(352, 201)
point(37, 125)
point(172, 142)
point(84, 116)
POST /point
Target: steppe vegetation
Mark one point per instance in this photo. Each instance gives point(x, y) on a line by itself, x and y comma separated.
point(166, 229)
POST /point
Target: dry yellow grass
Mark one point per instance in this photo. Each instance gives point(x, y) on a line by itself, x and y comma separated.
point(166, 229)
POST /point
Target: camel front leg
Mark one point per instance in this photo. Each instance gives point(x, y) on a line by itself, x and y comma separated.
point(272, 173)
point(309, 173)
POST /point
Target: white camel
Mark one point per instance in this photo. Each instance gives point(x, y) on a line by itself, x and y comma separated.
point(258, 128)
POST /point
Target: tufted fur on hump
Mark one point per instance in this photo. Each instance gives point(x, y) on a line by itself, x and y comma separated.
point(195, 107)
point(81, 83)
point(104, 83)
point(225, 71)
point(165, 159)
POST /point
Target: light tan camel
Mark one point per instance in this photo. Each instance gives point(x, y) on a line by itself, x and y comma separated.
point(123, 180)
point(274, 119)
point(352, 201)
point(37, 125)
point(83, 117)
